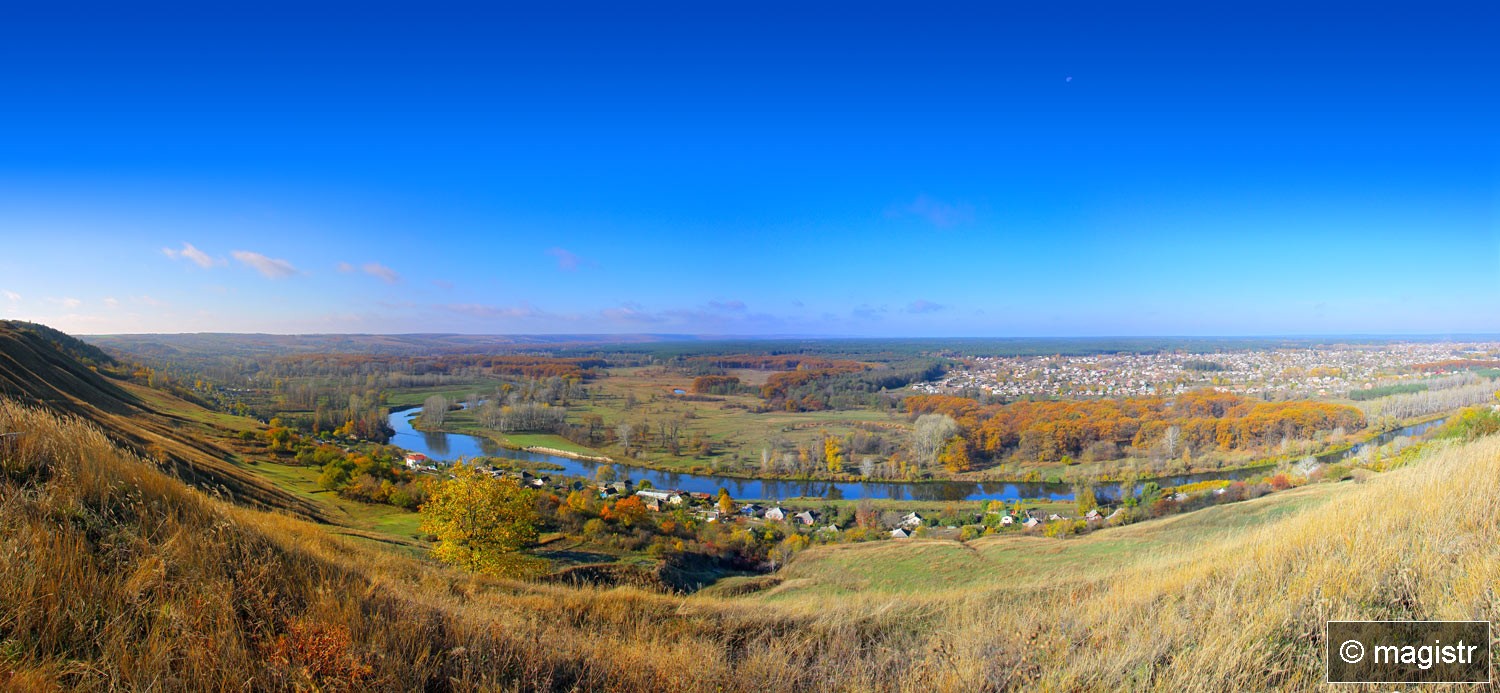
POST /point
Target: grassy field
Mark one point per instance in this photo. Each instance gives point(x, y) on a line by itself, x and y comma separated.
point(737, 434)
point(393, 523)
point(161, 401)
point(464, 422)
point(933, 567)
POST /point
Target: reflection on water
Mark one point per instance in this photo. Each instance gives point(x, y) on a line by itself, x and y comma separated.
point(437, 443)
point(447, 447)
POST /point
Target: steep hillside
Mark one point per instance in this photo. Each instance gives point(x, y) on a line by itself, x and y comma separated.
point(42, 366)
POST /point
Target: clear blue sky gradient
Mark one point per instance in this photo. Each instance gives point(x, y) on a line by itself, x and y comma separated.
point(922, 169)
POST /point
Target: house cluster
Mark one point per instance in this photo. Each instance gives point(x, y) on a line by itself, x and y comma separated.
point(807, 518)
point(1271, 372)
point(1026, 519)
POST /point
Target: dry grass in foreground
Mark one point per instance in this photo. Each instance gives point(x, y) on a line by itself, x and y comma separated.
point(114, 576)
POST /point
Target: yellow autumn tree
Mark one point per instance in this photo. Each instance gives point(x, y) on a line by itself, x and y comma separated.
point(833, 454)
point(482, 523)
point(955, 455)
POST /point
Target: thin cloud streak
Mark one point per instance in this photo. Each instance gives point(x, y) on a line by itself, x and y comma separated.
point(382, 272)
point(269, 267)
point(192, 254)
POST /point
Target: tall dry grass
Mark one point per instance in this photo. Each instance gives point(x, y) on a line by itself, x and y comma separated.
point(115, 576)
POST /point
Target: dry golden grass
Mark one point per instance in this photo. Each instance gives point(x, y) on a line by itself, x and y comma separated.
point(115, 576)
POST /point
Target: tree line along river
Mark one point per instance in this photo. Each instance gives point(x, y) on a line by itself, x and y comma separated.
point(449, 447)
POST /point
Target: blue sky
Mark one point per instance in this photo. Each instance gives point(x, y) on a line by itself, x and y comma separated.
point(926, 169)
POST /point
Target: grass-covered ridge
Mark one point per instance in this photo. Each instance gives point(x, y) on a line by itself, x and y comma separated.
point(39, 365)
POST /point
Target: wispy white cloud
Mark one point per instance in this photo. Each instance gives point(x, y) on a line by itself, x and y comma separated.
point(566, 260)
point(443, 284)
point(869, 312)
point(344, 267)
point(381, 272)
point(12, 296)
point(923, 305)
point(70, 303)
point(192, 254)
point(112, 302)
point(271, 268)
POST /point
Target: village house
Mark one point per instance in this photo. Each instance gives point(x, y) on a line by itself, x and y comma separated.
point(653, 494)
point(1006, 520)
point(1093, 515)
point(1031, 522)
point(899, 533)
point(776, 514)
point(912, 520)
point(806, 517)
point(415, 460)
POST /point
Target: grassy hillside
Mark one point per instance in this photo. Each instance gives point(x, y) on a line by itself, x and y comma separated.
point(1020, 562)
point(170, 589)
point(116, 575)
point(43, 366)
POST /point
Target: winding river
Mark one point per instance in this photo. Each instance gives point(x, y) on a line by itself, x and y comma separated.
point(448, 447)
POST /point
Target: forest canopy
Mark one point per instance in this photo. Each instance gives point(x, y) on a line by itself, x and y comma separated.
point(1202, 420)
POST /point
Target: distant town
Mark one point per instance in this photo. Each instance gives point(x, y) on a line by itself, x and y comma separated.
point(1272, 374)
